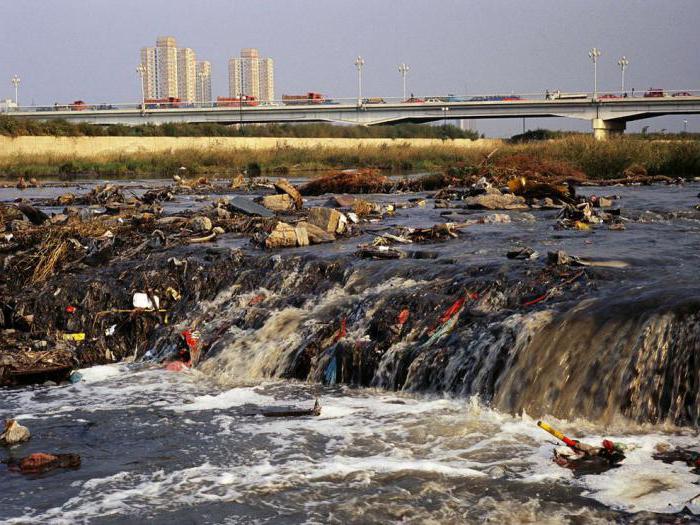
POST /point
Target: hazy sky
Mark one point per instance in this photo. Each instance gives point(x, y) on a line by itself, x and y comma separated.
point(87, 49)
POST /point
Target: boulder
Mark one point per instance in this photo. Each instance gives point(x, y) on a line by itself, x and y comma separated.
point(282, 236)
point(317, 235)
point(247, 206)
point(14, 433)
point(342, 201)
point(327, 219)
point(281, 202)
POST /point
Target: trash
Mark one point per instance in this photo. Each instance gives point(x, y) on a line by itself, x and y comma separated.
point(206, 238)
point(284, 187)
point(282, 202)
point(40, 462)
point(14, 433)
point(403, 316)
point(188, 352)
point(347, 181)
point(70, 309)
point(200, 224)
point(172, 293)
point(523, 254)
point(289, 411)
point(79, 336)
point(584, 458)
point(109, 332)
point(142, 300)
point(367, 251)
point(248, 207)
point(561, 258)
point(75, 377)
point(690, 457)
point(496, 201)
point(495, 218)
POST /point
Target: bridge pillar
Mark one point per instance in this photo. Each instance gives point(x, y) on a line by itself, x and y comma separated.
point(604, 129)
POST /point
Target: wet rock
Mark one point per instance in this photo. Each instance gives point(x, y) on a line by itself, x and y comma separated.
point(35, 215)
point(285, 235)
point(284, 187)
point(368, 251)
point(522, 254)
point(14, 433)
point(559, 258)
point(222, 214)
point(441, 203)
point(200, 224)
point(495, 218)
point(496, 201)
point(602, 202)
point(281, 202)
point(65, 200)
point(317, 235)
point(40, 462)
point(248, 207)
point(328, 219)
point(342, 201)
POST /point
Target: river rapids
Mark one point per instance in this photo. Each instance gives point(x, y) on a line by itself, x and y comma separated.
point(418, 425)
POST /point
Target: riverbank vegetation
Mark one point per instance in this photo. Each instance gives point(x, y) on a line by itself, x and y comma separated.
point(60, 128)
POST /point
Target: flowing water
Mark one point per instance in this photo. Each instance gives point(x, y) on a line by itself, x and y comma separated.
point(434, 431)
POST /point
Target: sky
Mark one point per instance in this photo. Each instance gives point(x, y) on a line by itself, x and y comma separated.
point(66, 50)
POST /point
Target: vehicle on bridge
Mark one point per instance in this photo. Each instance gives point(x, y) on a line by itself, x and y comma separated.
point(608, 96)
point(413, 100)
point(163, 103)
point(453, 98)
point(373, 100)
point(495, 98)
point(236, 102)
point(78, 105)
point(682, 94)
point(655, 93)
point(309, 98)
point(558, 95)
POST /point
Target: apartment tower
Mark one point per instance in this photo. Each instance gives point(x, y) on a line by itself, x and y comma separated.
point(169, 71)
point(203, 92)
point(251, 75)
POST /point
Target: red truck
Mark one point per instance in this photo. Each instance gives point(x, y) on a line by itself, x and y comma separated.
point(310, 98)
point(163, 103)
point(236, 102)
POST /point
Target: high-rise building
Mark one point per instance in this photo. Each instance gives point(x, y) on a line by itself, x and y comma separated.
point(186, 74)
point(251, 75)
point(169, 71)
point(203, 81)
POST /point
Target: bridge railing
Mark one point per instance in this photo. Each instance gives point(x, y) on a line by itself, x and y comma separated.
point(369, 101)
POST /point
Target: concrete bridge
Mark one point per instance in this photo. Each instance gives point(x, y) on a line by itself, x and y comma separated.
point(608, 115)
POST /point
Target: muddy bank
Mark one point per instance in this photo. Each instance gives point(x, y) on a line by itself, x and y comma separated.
point(533, 296)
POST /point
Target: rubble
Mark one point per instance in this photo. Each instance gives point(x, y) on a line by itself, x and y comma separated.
point(496, 201)
point(328, 219)
point(280, 203)
point(283, 187)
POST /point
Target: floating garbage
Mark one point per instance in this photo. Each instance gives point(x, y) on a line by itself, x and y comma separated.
point(14, 433)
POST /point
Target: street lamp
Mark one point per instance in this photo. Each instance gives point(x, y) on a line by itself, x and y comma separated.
point(141, 70)
point(593, 54)
point(623, 63)
point(15, 80)
point(403, 69)
point(359, 62)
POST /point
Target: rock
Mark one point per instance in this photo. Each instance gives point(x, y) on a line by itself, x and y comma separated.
point(41, 462)
point(21, 184)
point(602, 202)
point(317, 235)
point(284, 187)
point(325, 218)
point(302, 235)
point(218, 230)
point(495, 218)
point(200, 224)
point(222, 214)
point(522, 254)
point(342, 201)
point(362, 207)
point(35, 215)
point(282, 236)
point(247, 206)
point(14, 433)
point(59, 218)
point(496, 201)
point(281, 202)
point(65, 200)
point(441, 203)
point(559, 257)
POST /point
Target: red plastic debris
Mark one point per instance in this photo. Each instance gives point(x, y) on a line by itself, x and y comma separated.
point(70, 309)
point(343, 330)
point(256, 300)
point(191, 339)
point(403, 316)
point(536, 300)
point(451, 310)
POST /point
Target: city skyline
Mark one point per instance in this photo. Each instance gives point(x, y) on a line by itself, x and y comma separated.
point(482, 48)
point(251, 75)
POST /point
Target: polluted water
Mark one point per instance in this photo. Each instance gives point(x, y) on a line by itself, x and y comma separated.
point(431, 371)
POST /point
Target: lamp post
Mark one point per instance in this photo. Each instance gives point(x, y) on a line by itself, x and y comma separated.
point(141, 70)
point(403, 69)
point(359, 63)
point(623, 63)
point(15, 80)
point(593, 54)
